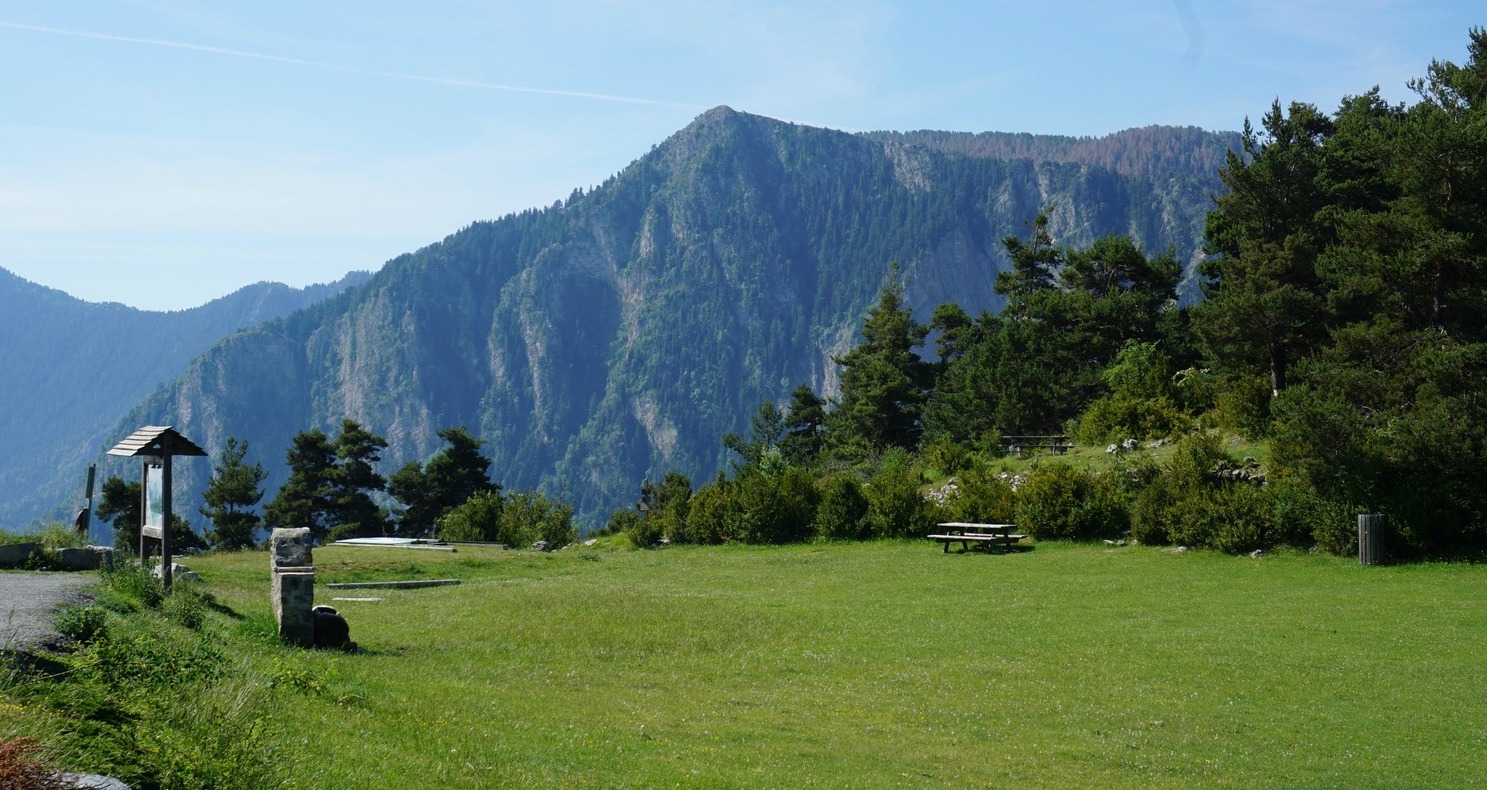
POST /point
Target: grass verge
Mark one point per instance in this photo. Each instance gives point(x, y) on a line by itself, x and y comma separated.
point(883, 664)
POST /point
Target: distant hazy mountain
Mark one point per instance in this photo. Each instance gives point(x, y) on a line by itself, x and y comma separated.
point(69, 368)
point(618, 333)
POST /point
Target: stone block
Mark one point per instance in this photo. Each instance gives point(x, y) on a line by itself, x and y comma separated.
point(14, 555)
point(89, 558)
point(178, 572)
point(290, 548)
point(293, 599)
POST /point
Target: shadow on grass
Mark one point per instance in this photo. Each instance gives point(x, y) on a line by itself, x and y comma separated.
point(984, 550)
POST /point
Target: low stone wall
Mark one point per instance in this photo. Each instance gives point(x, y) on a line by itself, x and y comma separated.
point(88, 558)
point(14, 555)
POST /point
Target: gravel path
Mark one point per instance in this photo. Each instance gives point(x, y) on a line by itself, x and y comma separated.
point(29, 601)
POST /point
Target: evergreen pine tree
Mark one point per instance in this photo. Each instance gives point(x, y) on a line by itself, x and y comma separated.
point(354, 512)
point(234, 489)
point(428, 491)
point(805, 426)
point(883, 380)
point(120, 507)
point(305, 498)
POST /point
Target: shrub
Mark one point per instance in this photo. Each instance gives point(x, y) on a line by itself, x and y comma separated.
point(185, 606)
point(620, 521)
point(663, 511)
point(1232, 517)
point(982, 496)
point(947, 456)
point(645, 533)
point(81, 624)
point(1165, 509)
point(57, 535)
point(1302, 517)
point(1061, 502)
point(775, 505)
point(1140, 403)
point(24, 764)
point(1191, 505)
point(712, 510)
point(133, 586)
point(1114, 417)
point(151, 657)
point(895, 506)
point(1243, 406)
point(477, 520)
point(843, 509)
point(529, 517)
point(671, 519)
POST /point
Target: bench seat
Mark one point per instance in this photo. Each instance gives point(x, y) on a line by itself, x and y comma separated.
point(965, 541)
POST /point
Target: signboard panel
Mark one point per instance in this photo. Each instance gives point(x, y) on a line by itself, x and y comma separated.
point(154, 498)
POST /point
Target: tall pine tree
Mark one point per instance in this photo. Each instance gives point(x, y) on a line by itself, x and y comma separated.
point(883, 381)
point(234, 489)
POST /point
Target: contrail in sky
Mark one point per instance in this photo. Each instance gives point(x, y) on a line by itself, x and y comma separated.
point(238, 53)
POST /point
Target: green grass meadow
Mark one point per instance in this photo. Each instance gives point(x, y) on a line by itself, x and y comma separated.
point(886, 664)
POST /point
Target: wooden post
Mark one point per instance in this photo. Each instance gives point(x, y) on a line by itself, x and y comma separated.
point(1371, 528)
point(144, 511)
point(165, 506)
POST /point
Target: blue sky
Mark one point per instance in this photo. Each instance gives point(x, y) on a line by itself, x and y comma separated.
point(162, 153)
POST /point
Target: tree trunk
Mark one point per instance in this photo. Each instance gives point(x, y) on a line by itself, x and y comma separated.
point(1277, 370)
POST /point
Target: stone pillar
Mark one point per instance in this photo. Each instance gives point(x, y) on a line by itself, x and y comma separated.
point(293, 591)
point(291, 548)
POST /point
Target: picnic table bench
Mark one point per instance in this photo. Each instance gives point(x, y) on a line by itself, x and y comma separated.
point(1057, 443)
point(967, 534)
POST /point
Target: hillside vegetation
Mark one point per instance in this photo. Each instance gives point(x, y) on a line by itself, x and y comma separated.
point(1345, 288)
point(618, 333)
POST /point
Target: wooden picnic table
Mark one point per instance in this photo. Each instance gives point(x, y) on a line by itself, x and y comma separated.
point(968, 533)
point(1058, 443)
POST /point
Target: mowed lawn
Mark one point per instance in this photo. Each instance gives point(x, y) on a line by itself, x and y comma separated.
point(884, 664)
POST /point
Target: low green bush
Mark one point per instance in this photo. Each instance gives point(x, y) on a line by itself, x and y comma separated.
point(982, 496)
point(775, 505)
point(645, 533)
point(1114, 418)
point(619, 521)
point(1231, 517)
point(1059, 501)
point(476, 520)
point(132, 586)
point(82, 623)
point(184, 606)
point(711, 512)
point(1243, 406)
point(842, 514)
point(529, 517)
point(895, 506)
point(947, 456)
point(1303, 517)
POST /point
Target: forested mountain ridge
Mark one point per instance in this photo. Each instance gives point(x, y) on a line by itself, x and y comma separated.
point(1148, 152)
point(618, 333)
point(72, 367)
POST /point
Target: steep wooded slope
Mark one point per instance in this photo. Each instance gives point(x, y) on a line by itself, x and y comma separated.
point(72, 367)
point(617, 334)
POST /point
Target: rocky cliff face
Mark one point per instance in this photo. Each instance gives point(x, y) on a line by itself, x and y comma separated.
point(620, 333)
